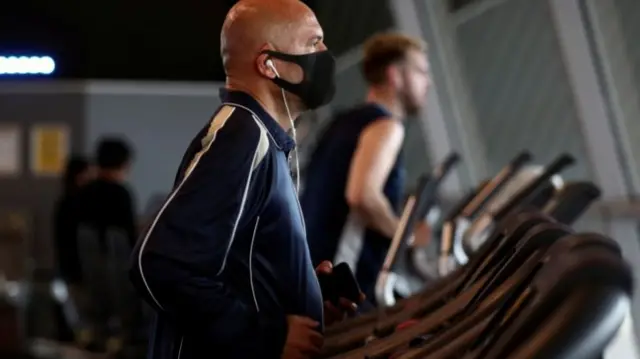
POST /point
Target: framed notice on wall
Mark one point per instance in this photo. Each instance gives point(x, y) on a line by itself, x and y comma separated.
point(49, 149)
point(10, 150)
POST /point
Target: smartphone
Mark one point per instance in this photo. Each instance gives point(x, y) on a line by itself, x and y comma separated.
point(341, 283)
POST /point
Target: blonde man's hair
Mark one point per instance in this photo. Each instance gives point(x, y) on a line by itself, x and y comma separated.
point(386, 49)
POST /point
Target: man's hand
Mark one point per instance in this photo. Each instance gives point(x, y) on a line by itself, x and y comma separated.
point(421, 235)
point(333, 313)
point(303, 339)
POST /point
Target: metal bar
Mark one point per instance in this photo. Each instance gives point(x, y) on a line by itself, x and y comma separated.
point(596, 126)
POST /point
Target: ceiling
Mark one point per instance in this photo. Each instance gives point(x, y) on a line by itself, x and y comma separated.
point(146, 39)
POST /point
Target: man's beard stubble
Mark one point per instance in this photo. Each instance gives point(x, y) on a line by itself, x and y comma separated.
point(411, 108)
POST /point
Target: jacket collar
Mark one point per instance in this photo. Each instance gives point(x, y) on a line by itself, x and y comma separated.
point(243, 100)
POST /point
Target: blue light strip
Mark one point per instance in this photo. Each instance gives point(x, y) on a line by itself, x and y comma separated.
point(26, 65)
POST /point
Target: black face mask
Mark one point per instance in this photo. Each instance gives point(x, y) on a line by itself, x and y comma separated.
point(317, 86)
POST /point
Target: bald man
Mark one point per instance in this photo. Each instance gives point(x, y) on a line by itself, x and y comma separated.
point(225, 264)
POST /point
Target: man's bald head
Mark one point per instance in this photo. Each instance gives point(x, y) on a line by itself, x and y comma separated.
point(255, 25)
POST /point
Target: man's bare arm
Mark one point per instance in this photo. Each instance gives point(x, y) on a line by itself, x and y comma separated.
point(377, 151)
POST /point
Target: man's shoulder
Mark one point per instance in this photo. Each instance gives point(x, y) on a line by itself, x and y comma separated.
point(366, 109)
point(360, 116)
point(236, 126)
point(236, 119)
point(235, 133)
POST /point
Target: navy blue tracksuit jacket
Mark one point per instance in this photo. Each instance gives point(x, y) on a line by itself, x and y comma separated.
point(226, 258)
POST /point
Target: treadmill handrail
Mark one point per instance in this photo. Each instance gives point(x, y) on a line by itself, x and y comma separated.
point(458, 209)
point(480, 195)
point(418, 205)
point(492, 187)
point(446, 165)
point(560, 163)
point(427, 185)
point(438, 174)
point(573, 200)
point(422, 200)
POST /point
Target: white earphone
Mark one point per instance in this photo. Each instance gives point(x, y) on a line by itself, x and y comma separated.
point(269, 64)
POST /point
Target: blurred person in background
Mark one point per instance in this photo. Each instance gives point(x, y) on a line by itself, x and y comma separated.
point(78, 172)
point(355, 179)
point(106, 202)
point(106, 230)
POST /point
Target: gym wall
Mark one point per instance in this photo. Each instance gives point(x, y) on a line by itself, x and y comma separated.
point(347, 24)
point(618, 59)
point(158, 119)
point(519, 87)
point(27, 106)
point(517, 78)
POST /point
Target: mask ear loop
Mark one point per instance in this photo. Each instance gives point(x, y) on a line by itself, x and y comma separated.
point(269, 63)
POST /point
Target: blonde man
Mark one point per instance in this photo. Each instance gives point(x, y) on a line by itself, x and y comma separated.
point(355, 178)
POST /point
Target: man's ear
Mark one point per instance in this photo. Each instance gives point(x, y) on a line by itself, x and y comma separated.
point(263, 68)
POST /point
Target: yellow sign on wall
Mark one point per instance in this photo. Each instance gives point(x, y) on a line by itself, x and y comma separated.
point(49, 149)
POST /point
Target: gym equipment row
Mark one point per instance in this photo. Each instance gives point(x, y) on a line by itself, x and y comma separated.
point(33, 302)
point(529, 287)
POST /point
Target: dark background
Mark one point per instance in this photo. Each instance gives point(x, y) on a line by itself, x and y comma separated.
point(144, 39)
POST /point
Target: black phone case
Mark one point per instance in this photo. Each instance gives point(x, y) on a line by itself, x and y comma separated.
point(341, 283)
point(346, 282)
